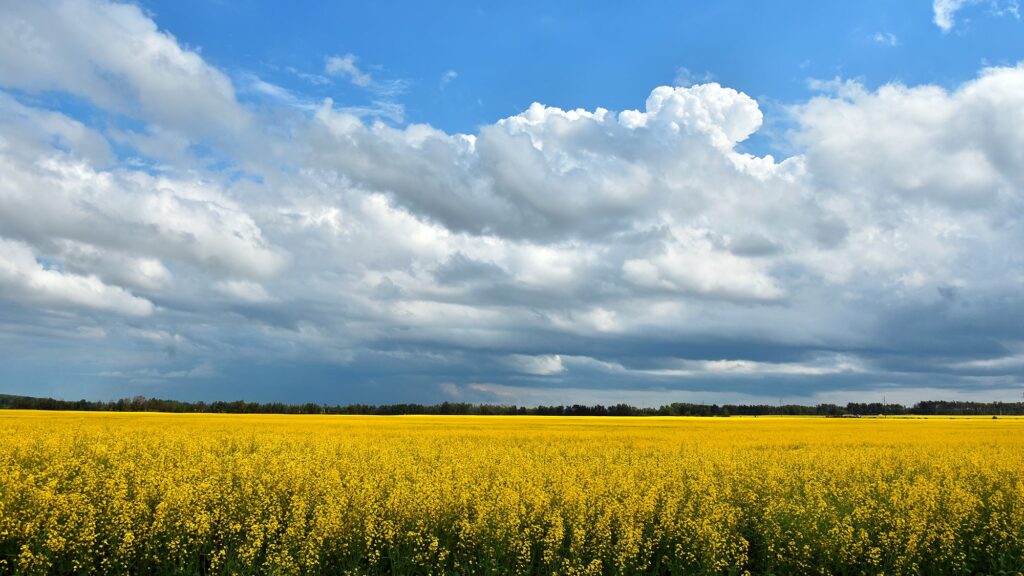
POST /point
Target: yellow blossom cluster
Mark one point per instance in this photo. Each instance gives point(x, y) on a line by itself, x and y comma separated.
point(91, 493)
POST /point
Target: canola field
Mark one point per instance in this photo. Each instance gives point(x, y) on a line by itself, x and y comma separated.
point(87, 493)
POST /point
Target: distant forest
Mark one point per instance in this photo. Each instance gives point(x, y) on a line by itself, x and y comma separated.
point(143, 404)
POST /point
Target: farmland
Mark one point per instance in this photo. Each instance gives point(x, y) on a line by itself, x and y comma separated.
point(231, 494)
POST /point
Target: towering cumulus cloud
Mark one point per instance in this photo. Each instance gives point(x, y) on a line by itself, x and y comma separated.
point(554, 255)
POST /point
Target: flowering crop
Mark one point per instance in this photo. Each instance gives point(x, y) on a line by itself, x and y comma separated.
point(85, 493)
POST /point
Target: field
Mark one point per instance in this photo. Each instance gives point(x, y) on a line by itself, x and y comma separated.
point(210, 494)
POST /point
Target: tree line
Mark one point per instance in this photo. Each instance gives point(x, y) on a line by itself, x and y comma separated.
point(143, 404)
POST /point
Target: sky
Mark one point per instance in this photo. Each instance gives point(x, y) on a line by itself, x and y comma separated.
point(515, 203)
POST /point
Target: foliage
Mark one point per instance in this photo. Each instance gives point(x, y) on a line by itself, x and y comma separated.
point(143, 404)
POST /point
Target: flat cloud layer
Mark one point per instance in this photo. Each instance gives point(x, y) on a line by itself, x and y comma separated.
point(196, 245)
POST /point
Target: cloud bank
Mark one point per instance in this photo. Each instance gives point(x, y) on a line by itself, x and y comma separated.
point(273, 251)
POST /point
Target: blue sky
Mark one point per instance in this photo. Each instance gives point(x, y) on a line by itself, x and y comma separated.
point(514, 203)
point(569, 55)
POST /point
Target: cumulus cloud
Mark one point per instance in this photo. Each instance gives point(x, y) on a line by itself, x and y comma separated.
point(638, 254)
point(138, 272)
point(956, 148)
point(690, 264)
point(25, 279)
point(115, 56)
point(554, 173)
point(131, 211)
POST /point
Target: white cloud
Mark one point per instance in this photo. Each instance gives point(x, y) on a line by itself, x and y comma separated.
point(244, 290)
point(450, 389)
point(921, 141)
point(551, 172)
point(686, 77)
point(345, 67)
point(131, 212)
point(944, 11)
point(448, 76)
point(204, 370)
point(137, 272)
point(1005, 362)
point(545, 365)
point(32, 132)
point(24, 279)
point(886, 39)
point(113, 55)
point(690, 264)
point(1012, 361)
point(820, 365)
point(720, 368)
point(257, 85)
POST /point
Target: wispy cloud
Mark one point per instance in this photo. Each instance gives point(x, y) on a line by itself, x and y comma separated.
point(204, 370)
point(314, 79)
point(393, 111)
point(254, 84)
point(686, 77)
point(944, 11)
point(386, 92)
point(546, 365)
point(886, 39)
point(448, 76)
point(345, 67)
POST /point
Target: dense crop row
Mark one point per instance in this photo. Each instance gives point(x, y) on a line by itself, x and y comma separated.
point(102, 493)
